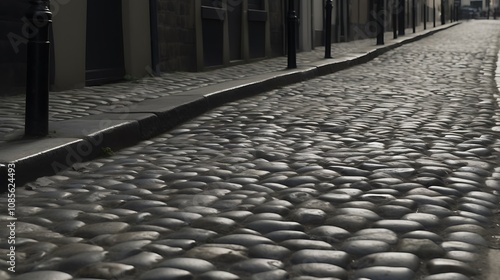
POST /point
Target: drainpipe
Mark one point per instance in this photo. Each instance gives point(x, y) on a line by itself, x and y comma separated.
point(155, 52)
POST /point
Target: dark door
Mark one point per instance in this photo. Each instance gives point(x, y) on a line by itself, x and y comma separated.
point(104, 42)
point(234, 24)
point(213, 16)
point(257, 17)
point(343, 20)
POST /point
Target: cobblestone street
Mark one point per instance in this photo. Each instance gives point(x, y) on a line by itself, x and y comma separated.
point(388, 171)
point(70, 104)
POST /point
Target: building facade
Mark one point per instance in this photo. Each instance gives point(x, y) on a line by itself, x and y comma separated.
point(479, 4)
point(92, 42)
point(201, 34)
point(12, 47)
point(95, 42)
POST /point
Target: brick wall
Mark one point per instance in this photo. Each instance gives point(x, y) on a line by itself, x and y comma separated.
point(176, 31)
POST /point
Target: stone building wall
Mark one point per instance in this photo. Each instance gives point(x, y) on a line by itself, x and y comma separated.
point(176, 32)
point(12, 47)
point(276, 18)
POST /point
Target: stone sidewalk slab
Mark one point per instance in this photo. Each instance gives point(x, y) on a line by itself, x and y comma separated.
point(83, 134)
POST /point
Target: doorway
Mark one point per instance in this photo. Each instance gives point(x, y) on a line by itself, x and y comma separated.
point(104, 47)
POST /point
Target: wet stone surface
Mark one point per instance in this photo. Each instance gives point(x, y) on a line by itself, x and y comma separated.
point(385, 170)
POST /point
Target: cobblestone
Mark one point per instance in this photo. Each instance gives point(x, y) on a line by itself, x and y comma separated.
point(319, 270)
point(447, 276)
point(424, 248)
point(166, 273)
point(445, 265)
point(45, 275)
point(269, 251)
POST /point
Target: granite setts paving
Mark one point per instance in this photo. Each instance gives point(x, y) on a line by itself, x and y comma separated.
point(387, 170)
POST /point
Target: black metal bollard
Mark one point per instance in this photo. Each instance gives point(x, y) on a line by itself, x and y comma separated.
point(292, 23)
point(37, 82)
point(380, 17)
point(413, 15)
point(328, 29)
point(434, 12)
point(401, 18)
point(443, 20)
